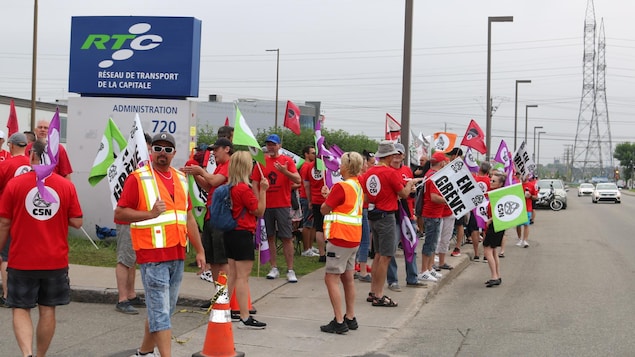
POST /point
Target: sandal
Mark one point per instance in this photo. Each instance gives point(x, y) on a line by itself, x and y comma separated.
point(501, 255)
point(384, 301)
point(446, 267)
point(371, 297)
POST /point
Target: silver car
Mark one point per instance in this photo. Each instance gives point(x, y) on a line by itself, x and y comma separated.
point(559, 189)
point(606, 191)
point(585, 189)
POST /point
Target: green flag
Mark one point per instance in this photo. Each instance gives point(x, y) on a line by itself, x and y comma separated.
point(112, 143)
point(199, 199)
point(508, 207)
point(244, 136)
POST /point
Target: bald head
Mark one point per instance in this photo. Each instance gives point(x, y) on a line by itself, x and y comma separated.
point(42, 129)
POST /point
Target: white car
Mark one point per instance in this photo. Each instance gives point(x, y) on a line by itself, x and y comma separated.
point(606, 191)
point(585, 189)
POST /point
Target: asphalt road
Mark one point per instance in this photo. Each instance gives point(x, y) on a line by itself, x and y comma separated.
point(569, 294)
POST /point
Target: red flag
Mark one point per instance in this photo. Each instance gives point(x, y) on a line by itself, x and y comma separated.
point(393, 128)
point(292, 118)
point(226, 121)
point(12, 124)
point(474, 137)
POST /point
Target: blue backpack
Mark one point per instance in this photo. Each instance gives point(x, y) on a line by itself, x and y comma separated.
point(220, 210)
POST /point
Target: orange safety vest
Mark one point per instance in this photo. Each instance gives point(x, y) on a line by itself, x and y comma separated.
point(170, 227)
point(345, 221)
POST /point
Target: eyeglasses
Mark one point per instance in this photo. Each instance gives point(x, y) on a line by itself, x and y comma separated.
point(167, 149)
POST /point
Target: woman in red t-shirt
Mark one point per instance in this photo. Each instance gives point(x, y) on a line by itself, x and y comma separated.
point(239, 243)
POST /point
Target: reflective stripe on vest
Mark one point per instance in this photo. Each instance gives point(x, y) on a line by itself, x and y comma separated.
point(169, 228)
point(342, 223)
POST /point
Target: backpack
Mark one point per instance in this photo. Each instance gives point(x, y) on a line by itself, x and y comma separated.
point(221, 209)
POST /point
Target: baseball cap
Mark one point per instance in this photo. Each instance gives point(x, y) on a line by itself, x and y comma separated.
point(18, 139)
point(439, 157)
point(164, 137)
point(221, 142)
point(274, 138)
point(399, 147)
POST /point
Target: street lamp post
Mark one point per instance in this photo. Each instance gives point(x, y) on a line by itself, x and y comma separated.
point(533, 155)
point(538, 155)
point(277, 51)
point(516, 110)
point(526, 121)
point(488, 134)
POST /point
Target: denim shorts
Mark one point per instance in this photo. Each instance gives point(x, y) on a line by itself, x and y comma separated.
point(433, 229)
point(307, 213)
point(161, 283)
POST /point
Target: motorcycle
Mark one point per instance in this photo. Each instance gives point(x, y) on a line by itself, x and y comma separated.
point(550, 200)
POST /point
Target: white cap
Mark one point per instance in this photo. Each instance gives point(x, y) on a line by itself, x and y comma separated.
point(2, 134)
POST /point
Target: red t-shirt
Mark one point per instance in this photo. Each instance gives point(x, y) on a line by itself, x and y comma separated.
point(4, 155)
point(12, 167)
point(130, 198)
point(63, 166)
point(483, 182)
point(531, 187)
point(303, 174)
point(316, 182)
point(39, 230)
point(243, 197)
point(381, 183)
point(433, 209)
point(279, 192)
point(406, 175)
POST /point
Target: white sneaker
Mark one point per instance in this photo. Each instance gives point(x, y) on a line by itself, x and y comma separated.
point(525, 244)
point(207, 276)
point(519, 243)
point(436, 274)
point(310, 253)
point(315, 250)
point(151, 354)
point(291, 277)
point(273, 273)
point(425, 276)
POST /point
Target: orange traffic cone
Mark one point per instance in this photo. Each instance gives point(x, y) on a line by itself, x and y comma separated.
point(235, 308)
point(219, 339)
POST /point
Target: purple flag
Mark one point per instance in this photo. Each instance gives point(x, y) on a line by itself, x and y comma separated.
point(480, 213)
point(408, 235)
point(469, 160)
point(261, 241)
point(504, 157)
point(49, 159)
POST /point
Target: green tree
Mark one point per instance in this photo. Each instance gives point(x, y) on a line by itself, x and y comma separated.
point(625, 153)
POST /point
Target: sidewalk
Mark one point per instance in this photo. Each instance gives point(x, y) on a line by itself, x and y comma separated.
point(293, 312)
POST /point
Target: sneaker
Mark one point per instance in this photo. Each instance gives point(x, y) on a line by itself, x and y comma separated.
point(456, 252)
point(291, 277)
point(519, 243)
point(366, 278)
point(394, 287)
point(525, 244)
point(148, 354)
point(235, 316)
point(352, 324)
point(335, 327)
point(315, 250)
point(206, 305)
point(251, 324)
point(476, 258)
point(436, 274)
point(126, 308)
point(207, 276)
point(310, 253)
point(273, 273)
point(484, 259)
point(137, 302)
point(3, 302)
point(425, 276)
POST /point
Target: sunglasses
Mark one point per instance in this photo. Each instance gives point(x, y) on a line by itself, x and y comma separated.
point(167, 149)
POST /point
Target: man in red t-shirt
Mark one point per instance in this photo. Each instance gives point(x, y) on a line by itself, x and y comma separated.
point(383, 186)
point(531, 193)
point(38, 250)
point(281, 172)
point(213, 242)
point(63, 167)
point(313, 183)
point(308, 229)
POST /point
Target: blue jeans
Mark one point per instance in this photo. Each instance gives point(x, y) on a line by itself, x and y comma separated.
point(411, 268)
point(161, 283)
point(364, 245)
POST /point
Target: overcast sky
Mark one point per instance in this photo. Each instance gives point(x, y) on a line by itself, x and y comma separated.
point(348, 55)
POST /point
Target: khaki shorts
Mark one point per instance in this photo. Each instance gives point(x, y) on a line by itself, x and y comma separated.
point(125, 253)
point(339, 259)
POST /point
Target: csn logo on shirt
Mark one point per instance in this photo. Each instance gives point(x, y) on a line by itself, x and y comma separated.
point(373, 185)
point(317, 174)
point(40, 209)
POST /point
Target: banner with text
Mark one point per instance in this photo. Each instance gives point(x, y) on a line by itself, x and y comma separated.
point(458, 187)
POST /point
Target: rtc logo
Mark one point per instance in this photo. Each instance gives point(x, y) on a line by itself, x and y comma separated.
point(508, 208)
point(40, 209)
point(136, 39)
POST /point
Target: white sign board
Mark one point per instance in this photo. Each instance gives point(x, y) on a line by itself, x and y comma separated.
point(457, 185)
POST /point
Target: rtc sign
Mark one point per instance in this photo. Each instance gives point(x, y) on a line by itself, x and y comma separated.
point(135, 56)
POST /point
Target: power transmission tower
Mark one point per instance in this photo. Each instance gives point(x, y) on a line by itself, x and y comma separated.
point(601, 107)
point(586, 149)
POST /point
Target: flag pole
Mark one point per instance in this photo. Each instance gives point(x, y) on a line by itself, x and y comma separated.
point(89, 238)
